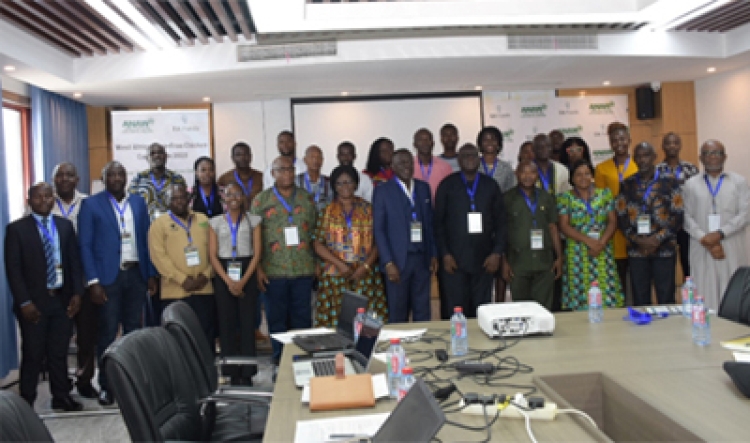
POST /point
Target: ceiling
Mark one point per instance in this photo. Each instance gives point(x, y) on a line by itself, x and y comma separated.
point(150, 52)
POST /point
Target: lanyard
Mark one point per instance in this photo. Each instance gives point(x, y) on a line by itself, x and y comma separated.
point(532, 205)
point(67, 213)
point(249, 187)
point(233, 228)
point(490, 172)
point(411, 197)
point(348, 219)
point(471, 191)
point(678, 172)
point(589, 209)
point(308, 186)
point(429, 170)
point(49, 233)
point(648, 190)
point(208, 202)
point(714, 192)
point(182, 225)
point(120, 210)
point(546, 178)
point(624, 170)
point(288, 207)
point(159, 186)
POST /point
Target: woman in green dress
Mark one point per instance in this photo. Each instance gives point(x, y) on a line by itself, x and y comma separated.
point(344, 239)
point(588, 220)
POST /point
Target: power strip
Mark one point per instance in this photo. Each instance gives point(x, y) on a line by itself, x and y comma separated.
point(548, 412)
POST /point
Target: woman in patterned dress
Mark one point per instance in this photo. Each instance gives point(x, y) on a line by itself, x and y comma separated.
point(588, 219)
point(344, 239)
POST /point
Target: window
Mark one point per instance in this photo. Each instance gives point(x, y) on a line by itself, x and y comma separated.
point(15, 125)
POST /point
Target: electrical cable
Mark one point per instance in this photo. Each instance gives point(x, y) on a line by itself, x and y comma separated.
point(522, 410)
point(579, 412)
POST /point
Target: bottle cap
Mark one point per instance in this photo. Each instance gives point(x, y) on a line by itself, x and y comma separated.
point(458, 309)
point(395, 341)
point(360, 310)
point(407, 370)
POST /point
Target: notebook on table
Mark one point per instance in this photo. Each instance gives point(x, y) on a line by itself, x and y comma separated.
point(343, 338)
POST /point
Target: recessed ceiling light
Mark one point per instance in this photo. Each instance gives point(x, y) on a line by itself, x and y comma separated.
point(711, 69)
point(77, 95)
point(477, 88)
point(344, 93)
point(9, 68)
point(206, 99)
point(605, 82)
point(582, 93)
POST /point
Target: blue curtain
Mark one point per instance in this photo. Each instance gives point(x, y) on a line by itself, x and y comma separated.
point(59, 133)
point(8, 341)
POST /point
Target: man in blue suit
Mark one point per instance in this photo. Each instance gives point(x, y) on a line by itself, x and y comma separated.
point(406, 244)
point(113, 231)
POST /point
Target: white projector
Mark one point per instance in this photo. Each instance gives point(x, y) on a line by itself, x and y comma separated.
point(515, 319)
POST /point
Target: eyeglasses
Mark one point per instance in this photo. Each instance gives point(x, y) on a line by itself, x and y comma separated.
point(713, 154)
point(344, 183)
point(284, 169)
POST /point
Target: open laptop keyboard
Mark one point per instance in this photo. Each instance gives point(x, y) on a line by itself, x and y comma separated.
point(322, 368)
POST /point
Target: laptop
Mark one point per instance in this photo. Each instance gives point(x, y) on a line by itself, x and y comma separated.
point(343, 338)
point(357, 360)
point(416, 418)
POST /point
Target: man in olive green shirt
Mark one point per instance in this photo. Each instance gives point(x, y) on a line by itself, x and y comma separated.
point(529, 265)
point(287, 265)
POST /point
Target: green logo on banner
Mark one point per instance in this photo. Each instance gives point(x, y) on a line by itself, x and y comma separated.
point(533, 111)
point(138, 126)
point(572, 132)
point(602, 108)
point(508, 135)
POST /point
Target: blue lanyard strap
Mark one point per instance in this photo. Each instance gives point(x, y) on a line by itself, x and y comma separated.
point(233, 228)
point(245, 189)
point(714, 192)
point(120, 210)
point(321, 185)
point(624, 170)
point(429, 170)
point(286, 205)
point(546, 178)
point(471, 191)
point(490, 172)
point(50, 233)
point(589, 208)
point(531, 204)
point(678, 172)
point(182, 225)
point(67, 213)
point(208, 202)
point(412, 198)
point(159, 186)
point(648, 190)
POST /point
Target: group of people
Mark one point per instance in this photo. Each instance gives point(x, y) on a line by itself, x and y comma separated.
point(292, 240)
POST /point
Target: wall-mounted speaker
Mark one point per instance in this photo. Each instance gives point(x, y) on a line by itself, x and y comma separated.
point(645, 103)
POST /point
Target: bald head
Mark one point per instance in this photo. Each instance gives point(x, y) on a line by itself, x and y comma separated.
point(65, 178)
point(313, 159)
point(644, 155)
point(713, 156)
point(282, 170)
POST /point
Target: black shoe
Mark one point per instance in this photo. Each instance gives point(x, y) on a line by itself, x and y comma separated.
point(66, 404)
point(105, 398)
point(87, 391)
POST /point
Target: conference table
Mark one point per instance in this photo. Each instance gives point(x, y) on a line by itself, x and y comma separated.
point(639, 383)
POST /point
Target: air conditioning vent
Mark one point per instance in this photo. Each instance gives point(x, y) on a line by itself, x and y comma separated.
point(553, 42)
point(246, 53)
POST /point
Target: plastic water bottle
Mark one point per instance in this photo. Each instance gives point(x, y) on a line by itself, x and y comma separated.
point(459, 334)
point(701, 323)
point(688, 294)
point(407, 381)
point(359, 319)
point(595, 303)
point(396, 360)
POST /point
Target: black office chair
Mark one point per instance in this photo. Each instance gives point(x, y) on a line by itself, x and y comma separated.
point(735, 305)
point(158, 396)
point(18, 422)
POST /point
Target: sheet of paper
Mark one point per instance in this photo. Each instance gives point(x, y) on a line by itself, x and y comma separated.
point(403, 334)
point(379, 388)
point(316, 431)
point(286, 337)
point(742, 356)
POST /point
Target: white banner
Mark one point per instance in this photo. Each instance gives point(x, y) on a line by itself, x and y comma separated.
point(522, 115)
point(185, 134)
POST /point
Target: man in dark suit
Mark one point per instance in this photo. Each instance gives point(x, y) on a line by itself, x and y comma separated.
point(44, 274)
point(113, 228)
point(403, 230)
point(470, 233)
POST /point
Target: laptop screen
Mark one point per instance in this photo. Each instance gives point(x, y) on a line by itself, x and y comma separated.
point(368, 338)
point(350, 302)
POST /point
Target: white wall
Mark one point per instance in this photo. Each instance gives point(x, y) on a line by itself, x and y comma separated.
point(722, 104)
point(256, 123)
point(12, 85)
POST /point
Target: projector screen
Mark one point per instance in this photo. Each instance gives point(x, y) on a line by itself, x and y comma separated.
point(328, 123)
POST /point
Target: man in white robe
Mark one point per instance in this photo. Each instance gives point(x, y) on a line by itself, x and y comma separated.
point(717, 213)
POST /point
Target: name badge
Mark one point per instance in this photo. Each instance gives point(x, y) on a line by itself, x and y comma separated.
point(644, 225)
point(714, 222)
point(594, 233)
point(474, 222)
point(234, 271)
point(126, 246)
point(348, 251)
point(58, 275)
point(291, 236)
point(416, 232)
point(537, 239)
point(191, 256)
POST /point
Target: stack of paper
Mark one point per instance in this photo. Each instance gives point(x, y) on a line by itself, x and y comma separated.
point(740, 347)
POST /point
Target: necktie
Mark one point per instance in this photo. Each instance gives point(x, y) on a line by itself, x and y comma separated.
point(49, 254)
